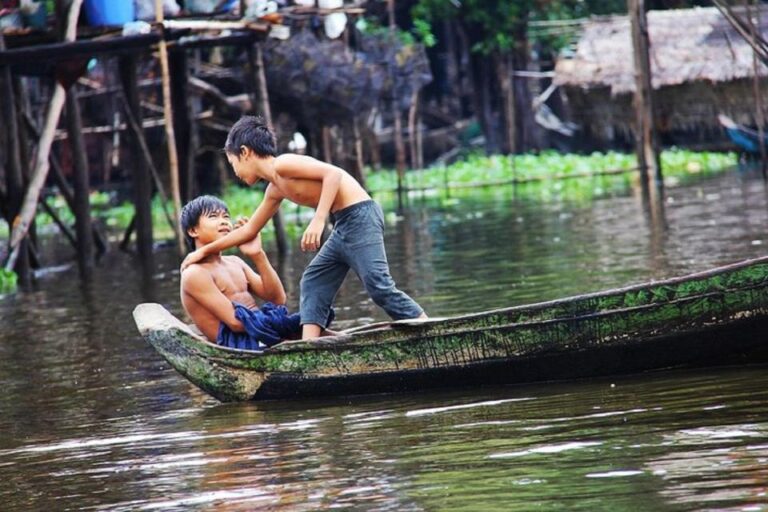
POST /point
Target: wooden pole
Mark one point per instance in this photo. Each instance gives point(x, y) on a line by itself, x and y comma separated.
point(359, 159)
point(256, 62)
point(23, 221)
point(170, 135)
point(13, 171)
point(82, 206)
point(137, 132)
point(760, 113)
point(141, 176)
point(647, 145)
point(398, 121)
point(183, 122)
point(412, 111)
point(507, 85)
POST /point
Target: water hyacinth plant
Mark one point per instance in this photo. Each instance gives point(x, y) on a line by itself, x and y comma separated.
point(8, 281)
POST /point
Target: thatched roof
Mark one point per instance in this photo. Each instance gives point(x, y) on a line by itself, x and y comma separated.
point(686, 45)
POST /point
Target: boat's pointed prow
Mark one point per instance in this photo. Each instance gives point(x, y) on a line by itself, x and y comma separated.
point(150, 316)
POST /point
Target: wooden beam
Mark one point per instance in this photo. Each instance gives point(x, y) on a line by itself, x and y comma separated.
point(78, 49)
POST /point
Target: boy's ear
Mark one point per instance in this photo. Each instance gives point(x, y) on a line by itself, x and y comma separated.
point(192, 232)
point(244, 152)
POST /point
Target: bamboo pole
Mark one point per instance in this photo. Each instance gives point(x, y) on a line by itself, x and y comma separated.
point(646, 140)
point(23, 221)
point(173, 161)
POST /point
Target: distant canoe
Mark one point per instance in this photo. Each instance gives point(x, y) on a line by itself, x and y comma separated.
point(746, 138)
point(714, 317)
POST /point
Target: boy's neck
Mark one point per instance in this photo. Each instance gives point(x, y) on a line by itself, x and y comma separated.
point(266, 170)
point(211, 258)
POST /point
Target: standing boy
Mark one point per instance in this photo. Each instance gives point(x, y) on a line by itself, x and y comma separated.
point(218, 291)
point(357, 241)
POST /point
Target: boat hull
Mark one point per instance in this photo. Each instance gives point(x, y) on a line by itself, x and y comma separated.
point(719, 316)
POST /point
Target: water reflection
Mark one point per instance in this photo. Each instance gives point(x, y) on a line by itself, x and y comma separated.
point(92, 419)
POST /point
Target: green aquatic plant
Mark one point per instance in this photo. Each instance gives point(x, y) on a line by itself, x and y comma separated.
point(8, 281)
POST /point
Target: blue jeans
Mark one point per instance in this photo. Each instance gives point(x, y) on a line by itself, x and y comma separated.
point(357, 242)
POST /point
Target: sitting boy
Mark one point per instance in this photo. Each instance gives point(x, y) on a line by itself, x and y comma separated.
point(218, 291)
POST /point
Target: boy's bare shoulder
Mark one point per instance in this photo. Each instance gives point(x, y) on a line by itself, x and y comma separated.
point(292, 161)
point(194, 275)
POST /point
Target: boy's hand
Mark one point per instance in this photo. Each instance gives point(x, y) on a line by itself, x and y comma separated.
point(313, 235)
point(252, 248)
point(191, 258)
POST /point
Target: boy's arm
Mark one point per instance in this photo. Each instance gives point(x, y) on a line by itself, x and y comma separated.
point(199, 284)
point(266, 210)
point(308, 168)
point(266, 284)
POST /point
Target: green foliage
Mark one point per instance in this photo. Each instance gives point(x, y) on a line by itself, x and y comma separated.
point(502, 22)
point(8, 281)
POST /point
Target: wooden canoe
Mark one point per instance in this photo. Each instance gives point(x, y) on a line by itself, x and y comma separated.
point(718, 316)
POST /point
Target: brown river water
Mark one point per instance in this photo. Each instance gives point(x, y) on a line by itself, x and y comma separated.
point(91, 418)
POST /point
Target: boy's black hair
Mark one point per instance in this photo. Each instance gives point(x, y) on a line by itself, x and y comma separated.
point(190, 214)
point(253, 133)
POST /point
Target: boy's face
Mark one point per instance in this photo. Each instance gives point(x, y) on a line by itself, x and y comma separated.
point(243, 165)
point(211, 226)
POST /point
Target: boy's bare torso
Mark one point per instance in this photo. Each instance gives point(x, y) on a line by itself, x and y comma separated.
point(306, 192)
point(229, 277)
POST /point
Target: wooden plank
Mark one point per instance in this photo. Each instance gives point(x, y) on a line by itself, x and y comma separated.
point(78, 49)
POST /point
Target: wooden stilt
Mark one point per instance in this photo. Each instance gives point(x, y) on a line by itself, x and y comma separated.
point(760, 113)
point(646, 140)
point(327, 149)
point(13, 172)
point(256, 63)
point(183, 126)
point(82, 204)
point(412, 112)
point(138, 133)
point(170, 134)
point(141, 176)
point(359, 158)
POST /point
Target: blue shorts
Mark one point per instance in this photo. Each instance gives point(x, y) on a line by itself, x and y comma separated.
point(357, 242)
point(264, 327)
